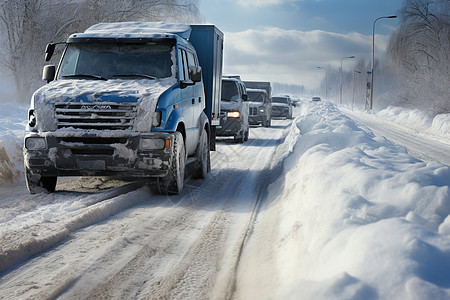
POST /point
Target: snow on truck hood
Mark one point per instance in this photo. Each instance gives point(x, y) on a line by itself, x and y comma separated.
point(229, 105)
point(145, 92)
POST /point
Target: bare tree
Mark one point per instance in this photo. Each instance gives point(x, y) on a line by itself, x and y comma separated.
point(420, 49)
point(26, 26)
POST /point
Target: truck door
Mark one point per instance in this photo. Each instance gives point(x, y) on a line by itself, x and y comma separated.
point(188, 103)
point(198, 95)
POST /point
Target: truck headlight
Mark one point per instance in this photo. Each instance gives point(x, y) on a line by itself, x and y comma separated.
point(262, 109)
point(35, 143)
point(153, 144)
point(233, 114)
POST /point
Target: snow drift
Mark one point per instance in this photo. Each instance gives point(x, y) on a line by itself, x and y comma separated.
point(361, 219)
point(12, 125)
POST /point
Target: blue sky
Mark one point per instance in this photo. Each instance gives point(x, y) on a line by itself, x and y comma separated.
point(285, 40)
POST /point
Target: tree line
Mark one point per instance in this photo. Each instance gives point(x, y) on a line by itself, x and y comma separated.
point(415, 71)
point(26, 26)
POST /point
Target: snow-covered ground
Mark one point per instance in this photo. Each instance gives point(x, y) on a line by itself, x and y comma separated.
point(312, 208)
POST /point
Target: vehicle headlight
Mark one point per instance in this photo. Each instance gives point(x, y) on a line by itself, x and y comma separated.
point(35, 143)
point(233, 114)
point(153, 144)
point(262, 109)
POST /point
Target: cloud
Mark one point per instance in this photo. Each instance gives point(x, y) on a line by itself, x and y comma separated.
point(256, 3)
point(291, 56)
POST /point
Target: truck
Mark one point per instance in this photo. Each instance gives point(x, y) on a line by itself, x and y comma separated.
point(128, 99)
point(282, 106)
point(260, 99)
point(234, 111)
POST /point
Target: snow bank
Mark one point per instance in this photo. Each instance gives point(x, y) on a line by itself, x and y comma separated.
point(361, 218)
point(414, 119)
point(13, 119)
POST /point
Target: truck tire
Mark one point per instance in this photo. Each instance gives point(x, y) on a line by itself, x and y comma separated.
point(38, 184)
point(246, 134)
point(173, 182)
point(204, 160)
point(240, 137)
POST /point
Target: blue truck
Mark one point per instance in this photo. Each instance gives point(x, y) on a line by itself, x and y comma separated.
point(130, 99)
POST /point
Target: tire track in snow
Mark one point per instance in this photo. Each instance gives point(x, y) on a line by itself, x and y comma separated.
point(20, 244)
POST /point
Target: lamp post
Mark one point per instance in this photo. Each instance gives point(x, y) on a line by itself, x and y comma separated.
point(354, 75)
point(373, 55)
point(340, 78)
point(326, 82)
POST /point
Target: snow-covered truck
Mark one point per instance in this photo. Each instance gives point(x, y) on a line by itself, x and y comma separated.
point(131, 99)
point(260, 102)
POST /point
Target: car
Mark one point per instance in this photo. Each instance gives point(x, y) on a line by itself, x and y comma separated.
point(234, 110)
point(316, 99)
point(282, 107)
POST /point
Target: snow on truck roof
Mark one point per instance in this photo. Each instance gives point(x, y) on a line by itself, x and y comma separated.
point(136, 30)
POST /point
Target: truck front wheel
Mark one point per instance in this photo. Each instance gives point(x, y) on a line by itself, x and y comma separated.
point(37, 184)
point(173, 182)
point(204, 161)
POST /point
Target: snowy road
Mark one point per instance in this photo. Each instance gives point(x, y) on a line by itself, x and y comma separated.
point(89, 240)
point(419, 146)
point(318, 207)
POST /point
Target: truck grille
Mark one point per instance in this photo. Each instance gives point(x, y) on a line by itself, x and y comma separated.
point(112, 116)
point(253, 111)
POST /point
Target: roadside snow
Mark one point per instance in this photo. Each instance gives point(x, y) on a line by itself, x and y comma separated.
point(359, 217)
point(13, 119)
point(419, 122)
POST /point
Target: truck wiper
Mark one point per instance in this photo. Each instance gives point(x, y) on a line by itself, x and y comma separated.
point(135, 75)
point(84, 76)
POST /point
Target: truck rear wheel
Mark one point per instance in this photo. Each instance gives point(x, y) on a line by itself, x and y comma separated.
point(173, 182)
point(38, 184)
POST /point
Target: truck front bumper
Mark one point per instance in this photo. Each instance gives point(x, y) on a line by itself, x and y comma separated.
point(91, 154)
point(229, 126)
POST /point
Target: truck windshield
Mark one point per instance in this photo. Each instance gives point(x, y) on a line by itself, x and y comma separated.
point(280, 99)
point(255, 96)
point(229, 91)
point(106, 61)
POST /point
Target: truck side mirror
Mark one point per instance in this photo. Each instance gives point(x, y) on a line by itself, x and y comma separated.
point(245, 97)
point(49, 51)
point(48, 74)
point(195, 73)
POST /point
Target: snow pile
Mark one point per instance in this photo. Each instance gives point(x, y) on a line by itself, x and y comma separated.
point(361, 219)
point(12, 125)
point(414, 119)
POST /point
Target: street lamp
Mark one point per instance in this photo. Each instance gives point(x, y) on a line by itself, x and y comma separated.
point(373, 55)
point(354, 75)
point(340, 78)
point(326, 82)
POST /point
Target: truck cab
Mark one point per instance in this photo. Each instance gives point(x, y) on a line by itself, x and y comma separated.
point(260, 107)
point(282, 107)
point(128, 100)
point(234, 110)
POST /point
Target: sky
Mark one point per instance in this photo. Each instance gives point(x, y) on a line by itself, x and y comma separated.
point(286, 40)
